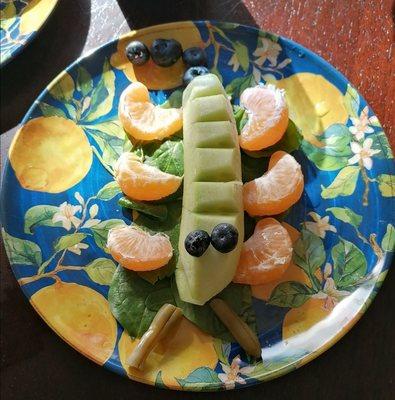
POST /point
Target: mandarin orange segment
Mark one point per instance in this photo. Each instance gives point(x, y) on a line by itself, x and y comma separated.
point(277, 190)
point(266, 255)
point(292, 273)
point(137, 250)
point(143, 120)
point(143, 182)
point(267, 117)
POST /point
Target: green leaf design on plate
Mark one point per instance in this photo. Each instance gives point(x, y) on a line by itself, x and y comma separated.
point(351, 101)
point(174, 100)
point(349, 264)
point(71, 110)
point(66, 241)
point(159, 380)
point(111, 145)
point(100, 231)
point(111, 127)
point(335, 150)
point(380, 142)
point(290, 294)
point(309, 252)
point(158, 211)
point(84, 81)
point(241, 51)
point(50, 111)
point(102, 94)
point(20, 251)
point(346, 215)
point(168, 156)
point(343, 185)
point(388, 242)
point(263, 34)
point(108, 191)
point(237, 86)
point(386, 185)
point(200, 377)
point(101, 270)
point(40, 216)
point(227, 26)
point(223, 350)
point(63, 89)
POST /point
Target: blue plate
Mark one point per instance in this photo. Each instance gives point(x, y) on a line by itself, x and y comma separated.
point(59, 199)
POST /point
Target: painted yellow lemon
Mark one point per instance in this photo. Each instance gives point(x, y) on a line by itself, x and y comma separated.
point(292, 273)
point(301, 319)
point(188, 349)
point(314, 103)
point(50, 154)
point(150, 74)
point(34, 14)
point(81, 316)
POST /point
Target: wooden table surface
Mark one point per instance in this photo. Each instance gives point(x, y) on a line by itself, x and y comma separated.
point(357, 37)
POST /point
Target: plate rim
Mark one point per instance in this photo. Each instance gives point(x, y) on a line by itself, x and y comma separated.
point(32, 36)
point(295, 364)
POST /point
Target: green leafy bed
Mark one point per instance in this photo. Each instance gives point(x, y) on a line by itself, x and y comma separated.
point(135, 298)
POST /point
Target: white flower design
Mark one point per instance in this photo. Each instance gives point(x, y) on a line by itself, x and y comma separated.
point(79, 198)
point(66, 215)
point(330, 293)
point(360, 125)
point(234, 62)
point(363, 153)
point(232, 372)
point(268, 50)
point(76, 249)
point(320, 225)
point(92, 221)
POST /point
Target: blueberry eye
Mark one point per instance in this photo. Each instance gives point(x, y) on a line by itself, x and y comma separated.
point(224, 237)
point(197, 242)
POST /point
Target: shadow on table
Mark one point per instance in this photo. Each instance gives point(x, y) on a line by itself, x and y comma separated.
point(140, 14)
point(58, 44)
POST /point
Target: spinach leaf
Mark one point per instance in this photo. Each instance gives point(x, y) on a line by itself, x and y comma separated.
point(134, 303)
point(157, 211)
point(170, 227)
point(167, 156)
point(241, 117)
point(252, 167)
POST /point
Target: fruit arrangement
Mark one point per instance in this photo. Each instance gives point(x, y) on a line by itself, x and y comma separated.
point(200, 141)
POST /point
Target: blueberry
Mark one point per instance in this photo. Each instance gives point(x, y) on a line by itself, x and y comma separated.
point(224, 237)
point(195, 56)
point(193, 72)
point(165, 52)
point(197, 242)
point(137, 53)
